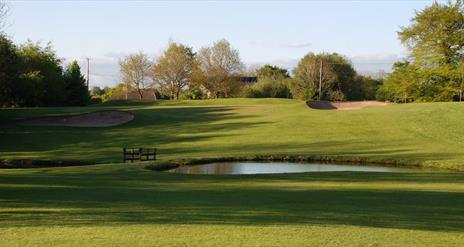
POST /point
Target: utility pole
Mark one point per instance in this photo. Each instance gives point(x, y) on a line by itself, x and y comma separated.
point(460, 90)
point(125, 89)
point(88, 72)
point(320, 81)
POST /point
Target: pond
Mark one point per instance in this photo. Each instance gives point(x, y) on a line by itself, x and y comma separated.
point(281, 167)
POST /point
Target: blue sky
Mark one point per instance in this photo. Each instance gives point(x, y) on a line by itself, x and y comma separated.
point(276, 32)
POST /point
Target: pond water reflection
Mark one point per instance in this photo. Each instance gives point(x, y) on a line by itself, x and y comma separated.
point(281, 167)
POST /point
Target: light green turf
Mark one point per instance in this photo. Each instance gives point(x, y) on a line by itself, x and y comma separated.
point(126, 205)
point(121, 205)
point(428, 133)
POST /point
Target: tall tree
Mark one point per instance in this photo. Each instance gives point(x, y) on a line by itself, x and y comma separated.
point(41, 78)
point(436, 34)
point(135, 70)
point(402, 84)
point(9, 72)
point(173, 71)
point(332, 72)
point(75, 86)
point(220, 66)
point(435, 40)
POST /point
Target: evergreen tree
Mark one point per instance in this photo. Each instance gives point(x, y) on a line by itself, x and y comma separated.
point(75, 86)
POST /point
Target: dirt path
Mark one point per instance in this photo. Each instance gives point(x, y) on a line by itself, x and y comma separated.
point(92, 119)
point(354, 105)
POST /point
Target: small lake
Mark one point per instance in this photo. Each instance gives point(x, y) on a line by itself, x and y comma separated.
point(281, 167)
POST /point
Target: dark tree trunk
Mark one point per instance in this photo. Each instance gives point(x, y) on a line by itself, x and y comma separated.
point(140, 93)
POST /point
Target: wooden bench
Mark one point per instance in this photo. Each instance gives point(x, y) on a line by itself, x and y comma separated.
point(138, 154)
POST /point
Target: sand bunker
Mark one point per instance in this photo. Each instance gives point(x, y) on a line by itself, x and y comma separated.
point(92, 119)
point(327, 105)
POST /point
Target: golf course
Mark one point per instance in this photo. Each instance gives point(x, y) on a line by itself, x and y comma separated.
point(110, 203)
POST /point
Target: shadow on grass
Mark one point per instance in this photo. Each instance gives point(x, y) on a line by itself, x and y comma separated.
point(151, 127)
point(131, 196)
point(193, 132)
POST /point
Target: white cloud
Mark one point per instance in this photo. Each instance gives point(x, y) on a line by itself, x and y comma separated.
point(372, 63)
point(104, 71)
point(364, 64)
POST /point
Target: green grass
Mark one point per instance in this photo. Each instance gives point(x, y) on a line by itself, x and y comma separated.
point(431, 134)
point(121, 205)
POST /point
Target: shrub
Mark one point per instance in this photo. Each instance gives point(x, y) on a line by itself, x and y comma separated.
point(267, 88)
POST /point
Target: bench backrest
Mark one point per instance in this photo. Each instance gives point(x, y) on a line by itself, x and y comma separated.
point(139, 154)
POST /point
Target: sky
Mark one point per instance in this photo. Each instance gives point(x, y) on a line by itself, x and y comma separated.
point(265, 32)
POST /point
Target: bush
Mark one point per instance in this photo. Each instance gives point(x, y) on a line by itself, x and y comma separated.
point(193, 93)
point(336, 95)
point(267, 88)
point(95, 99)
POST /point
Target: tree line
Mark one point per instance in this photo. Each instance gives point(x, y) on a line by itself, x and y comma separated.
point(434, 71)
point(32, 75)
point(217, 71)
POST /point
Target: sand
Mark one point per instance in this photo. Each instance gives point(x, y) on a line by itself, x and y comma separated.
point(93, 119)
point(353, 105)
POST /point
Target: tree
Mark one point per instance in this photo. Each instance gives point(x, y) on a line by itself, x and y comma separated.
point(402, 84)
point(9, 72)
point(460, 81)
point(219, 69)
point(97, 91)
point(41, 76)
point(454, 90)
point(272, 83)
point(272, 72)
point(173, 71)
point(75, 86)
point(267, 87)
point(435, 40)
point(337, 77)
point(436, 34)
point(368, 87)
point(135, 70)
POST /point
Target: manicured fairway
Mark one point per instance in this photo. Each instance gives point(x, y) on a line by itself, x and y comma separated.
point(429, 133)
point(121, 205)
point(127, 205)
